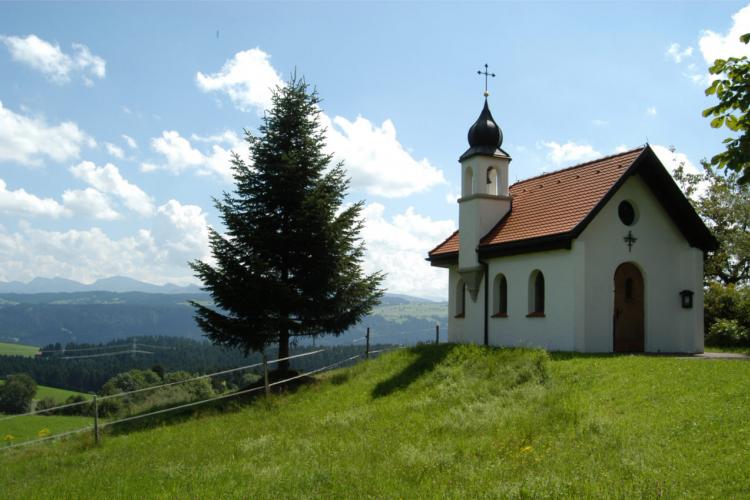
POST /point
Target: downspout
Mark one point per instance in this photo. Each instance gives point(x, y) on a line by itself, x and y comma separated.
point(486, 297)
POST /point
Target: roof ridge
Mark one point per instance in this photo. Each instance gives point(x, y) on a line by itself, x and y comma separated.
point(639, 148)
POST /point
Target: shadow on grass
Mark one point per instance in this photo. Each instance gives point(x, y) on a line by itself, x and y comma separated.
point(427, 358)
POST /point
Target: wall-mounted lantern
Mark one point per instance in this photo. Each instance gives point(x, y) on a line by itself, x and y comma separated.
point(686, 296)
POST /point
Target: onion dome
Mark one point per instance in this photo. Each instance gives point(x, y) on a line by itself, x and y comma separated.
point(485, 132)
point(485, 136)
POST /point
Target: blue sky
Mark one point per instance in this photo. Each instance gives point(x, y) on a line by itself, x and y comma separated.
point(117, 118)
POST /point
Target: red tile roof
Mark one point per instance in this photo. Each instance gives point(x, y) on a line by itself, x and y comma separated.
point(553, 203)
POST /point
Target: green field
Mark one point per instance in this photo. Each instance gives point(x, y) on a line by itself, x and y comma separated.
point(33, 426)
point(435, 422)
point(7, 349)
point(59, 395)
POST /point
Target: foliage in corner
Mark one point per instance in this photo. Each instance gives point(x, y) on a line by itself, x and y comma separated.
point(724, 205)
point(732, 88)
point(290, 261)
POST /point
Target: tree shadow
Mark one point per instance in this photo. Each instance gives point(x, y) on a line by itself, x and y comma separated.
point(427, 358)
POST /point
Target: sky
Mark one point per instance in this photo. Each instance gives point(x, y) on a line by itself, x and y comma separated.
point(117, 120)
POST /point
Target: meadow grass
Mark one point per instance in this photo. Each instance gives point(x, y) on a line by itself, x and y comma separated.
point(435, 421)
point(59, 395)
point(7, 349)
point(34, 426)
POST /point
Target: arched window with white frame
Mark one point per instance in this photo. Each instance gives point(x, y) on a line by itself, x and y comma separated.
point(460, 299)
point(500, 297)
point(536, 294)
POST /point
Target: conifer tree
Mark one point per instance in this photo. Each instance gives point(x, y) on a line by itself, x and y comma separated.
point(289, 263)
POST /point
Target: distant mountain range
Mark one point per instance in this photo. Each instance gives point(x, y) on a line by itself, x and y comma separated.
point(118, 284)
point(93, 316)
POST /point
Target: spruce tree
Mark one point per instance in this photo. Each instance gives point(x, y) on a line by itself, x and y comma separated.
point(289, 262)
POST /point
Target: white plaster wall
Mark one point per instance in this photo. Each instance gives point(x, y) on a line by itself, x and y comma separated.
point(668, 265)
point(470, 328)
point(559, 328)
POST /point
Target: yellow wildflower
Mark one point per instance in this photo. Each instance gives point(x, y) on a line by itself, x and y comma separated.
point(527, 449)
point(43, 433)
point(8, 438)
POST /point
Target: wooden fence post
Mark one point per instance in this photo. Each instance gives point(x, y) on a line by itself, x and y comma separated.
point(96, 420)
point(265, 374)
point(437, 333)
point(367, 344)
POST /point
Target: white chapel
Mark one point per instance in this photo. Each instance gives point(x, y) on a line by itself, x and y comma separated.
point(605, 256)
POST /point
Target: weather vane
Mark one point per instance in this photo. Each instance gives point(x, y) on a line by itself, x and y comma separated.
point(486, 75)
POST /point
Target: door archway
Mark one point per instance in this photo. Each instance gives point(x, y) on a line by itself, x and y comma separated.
point(628, 329)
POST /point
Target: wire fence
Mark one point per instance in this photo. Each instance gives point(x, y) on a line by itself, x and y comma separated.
point(99, 424)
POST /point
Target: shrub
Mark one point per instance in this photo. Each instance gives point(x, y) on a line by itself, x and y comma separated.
point(45, 404)
point(728, 332)
point(727, 315)
point(17, 393)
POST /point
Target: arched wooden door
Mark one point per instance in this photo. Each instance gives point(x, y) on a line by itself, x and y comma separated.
point(628, 316)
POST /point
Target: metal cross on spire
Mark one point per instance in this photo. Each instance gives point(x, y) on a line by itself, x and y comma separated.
point(486, 74)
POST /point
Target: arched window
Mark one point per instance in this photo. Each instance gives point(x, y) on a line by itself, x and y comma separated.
point(491, 180)
point(467, 187)
point(500, 297)
point(536, 294)
point(460, 299)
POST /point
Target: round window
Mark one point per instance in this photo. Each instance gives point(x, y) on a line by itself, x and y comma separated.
point(626, 211)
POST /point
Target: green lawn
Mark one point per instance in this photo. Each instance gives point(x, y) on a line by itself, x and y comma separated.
point(59, 395)
point(7, 349)
point(436, 421)
point(34, 426)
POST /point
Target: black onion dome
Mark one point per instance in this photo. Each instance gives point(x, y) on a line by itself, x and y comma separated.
point(485, 132)
point(485, 137)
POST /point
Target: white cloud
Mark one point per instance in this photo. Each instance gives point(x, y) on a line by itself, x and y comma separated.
point(53, 62)
point(158, 254)
point(399, 247)
point(108, 179)
point(570, 152)
point(130, 141)
point(180, 155)
point(678, 55)
point(651, 111)
point(717, 46)
point(375, 159)
point(21, 203)
point(91, 203)
point(114, 150)
point(621, 148)
point(183, 229)
point(26, 140)
point(247, 79)
point(451, 197)
point(673, 159)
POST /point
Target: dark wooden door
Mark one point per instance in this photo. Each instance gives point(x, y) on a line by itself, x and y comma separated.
point(628, 318)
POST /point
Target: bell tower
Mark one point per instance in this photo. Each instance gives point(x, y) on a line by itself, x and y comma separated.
point(485, 198)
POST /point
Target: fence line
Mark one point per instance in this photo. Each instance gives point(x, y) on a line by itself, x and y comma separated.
point(266, 386)
point(187, 405)
point(49, 438)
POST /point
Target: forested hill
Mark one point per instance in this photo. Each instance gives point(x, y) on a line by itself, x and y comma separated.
point(94, 317)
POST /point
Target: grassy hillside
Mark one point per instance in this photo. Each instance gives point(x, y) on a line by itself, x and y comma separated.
point(7, 349)
point(457, 421)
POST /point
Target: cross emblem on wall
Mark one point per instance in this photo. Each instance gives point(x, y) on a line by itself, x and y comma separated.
point(630, 240)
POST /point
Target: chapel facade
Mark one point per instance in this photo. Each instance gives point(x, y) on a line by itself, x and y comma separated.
point(605, 256)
